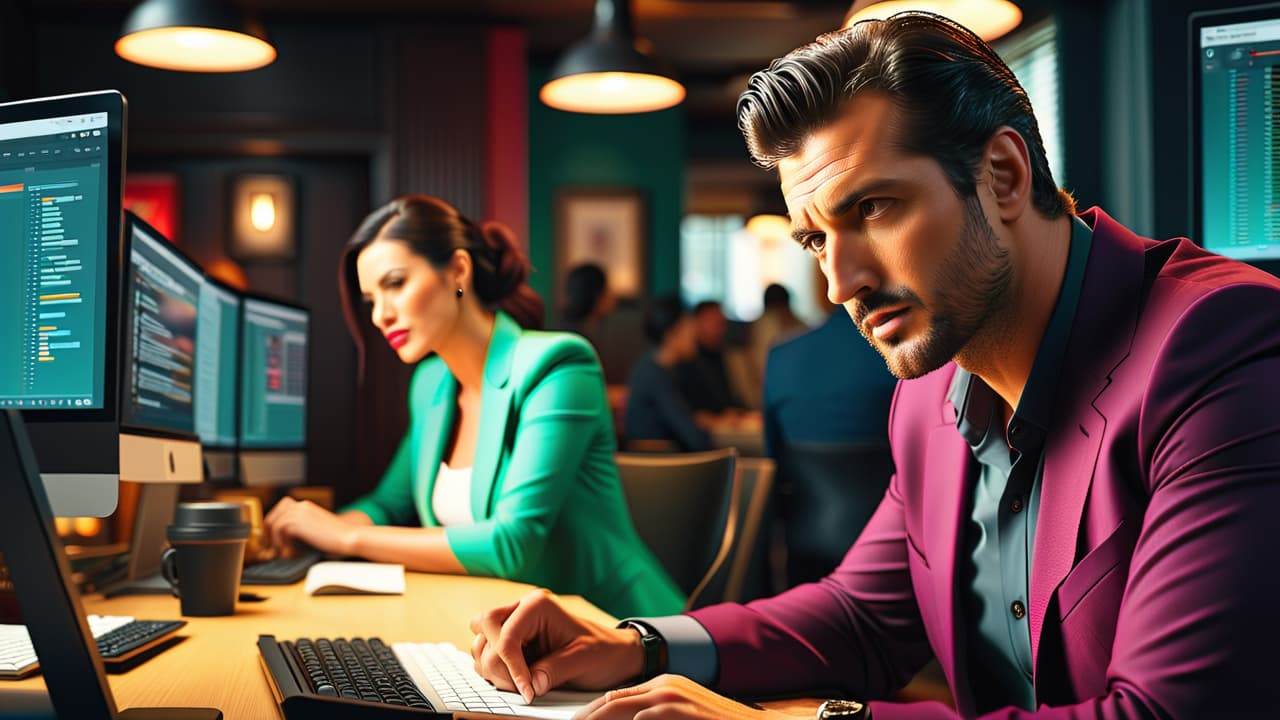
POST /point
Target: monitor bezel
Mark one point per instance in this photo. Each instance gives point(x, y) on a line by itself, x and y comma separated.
point(113, 103)
point(1195, 147)
point(245, 297)
point(126, 309)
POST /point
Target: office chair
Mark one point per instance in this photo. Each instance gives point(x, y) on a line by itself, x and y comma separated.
point(829, 491)
point(680, 504)
point(748, 576)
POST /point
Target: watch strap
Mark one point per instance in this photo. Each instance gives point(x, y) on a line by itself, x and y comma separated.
point(653, 645)
point(843, 709)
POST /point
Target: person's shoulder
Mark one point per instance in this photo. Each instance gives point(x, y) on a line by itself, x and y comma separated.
point(537, 352)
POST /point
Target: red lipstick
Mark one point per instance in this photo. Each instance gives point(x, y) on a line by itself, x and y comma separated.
point(396, 338)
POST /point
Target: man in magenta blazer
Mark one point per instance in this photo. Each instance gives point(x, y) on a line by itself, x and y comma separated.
point(1087, 438)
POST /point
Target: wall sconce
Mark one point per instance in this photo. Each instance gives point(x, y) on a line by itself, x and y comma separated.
point(262, 218)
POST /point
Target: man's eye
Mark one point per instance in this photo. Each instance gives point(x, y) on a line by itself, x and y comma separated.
point(814, 243)
point(872, 207)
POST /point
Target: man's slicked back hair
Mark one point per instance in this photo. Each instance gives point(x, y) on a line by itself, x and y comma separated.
point(950, 89)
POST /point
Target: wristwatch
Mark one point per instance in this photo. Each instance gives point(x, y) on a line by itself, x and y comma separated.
point(653, 645)
point(843, 709)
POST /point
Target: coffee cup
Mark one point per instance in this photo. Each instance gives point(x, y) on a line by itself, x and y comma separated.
point(205, 556)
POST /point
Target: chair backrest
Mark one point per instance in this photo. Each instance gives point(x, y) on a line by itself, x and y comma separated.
point(748, 576)
point(680, 505)
point(830, 491)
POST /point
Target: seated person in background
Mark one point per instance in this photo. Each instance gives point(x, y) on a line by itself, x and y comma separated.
point(826, 386)
point(587, 300)
point(507, 467)
point(776, 323)
point(704, 380)
point(1086, 441)
point(658, 417)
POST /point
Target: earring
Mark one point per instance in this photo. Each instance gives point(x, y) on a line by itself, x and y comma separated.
point(459, 292)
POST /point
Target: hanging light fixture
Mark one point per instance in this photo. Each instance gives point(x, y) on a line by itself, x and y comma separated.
point(988, 19)
point(610, 71)
point(194, 36)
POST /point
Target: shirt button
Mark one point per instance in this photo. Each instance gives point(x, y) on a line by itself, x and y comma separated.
point(1015, 430)
point(1018, 609)
point(1016, 505)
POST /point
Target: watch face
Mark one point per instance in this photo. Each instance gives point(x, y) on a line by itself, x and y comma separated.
point(840, 709)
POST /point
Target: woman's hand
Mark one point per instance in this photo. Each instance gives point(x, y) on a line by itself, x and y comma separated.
point(671, 697)
point(534, 645)
point(291, 523)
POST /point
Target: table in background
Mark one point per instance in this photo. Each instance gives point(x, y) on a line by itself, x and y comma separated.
point(217, 665)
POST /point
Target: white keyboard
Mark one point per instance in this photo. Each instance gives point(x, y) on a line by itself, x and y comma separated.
point(448, 678)
point(18, 656)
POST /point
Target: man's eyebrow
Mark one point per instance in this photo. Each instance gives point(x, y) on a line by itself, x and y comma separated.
point(851, 200)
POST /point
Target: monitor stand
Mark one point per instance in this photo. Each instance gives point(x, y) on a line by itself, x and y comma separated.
point(49, 601)
point(154, 514)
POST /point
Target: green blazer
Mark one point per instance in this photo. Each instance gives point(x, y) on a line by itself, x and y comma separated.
point(545, 493)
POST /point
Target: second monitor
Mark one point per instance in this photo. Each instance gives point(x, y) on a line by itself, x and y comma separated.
point(273, 392)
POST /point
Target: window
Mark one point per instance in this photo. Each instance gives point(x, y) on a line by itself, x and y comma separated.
point(1032, 54)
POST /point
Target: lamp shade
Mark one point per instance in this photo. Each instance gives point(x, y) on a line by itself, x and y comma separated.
point(194, 36)
point(610, 71)
point(988, 19)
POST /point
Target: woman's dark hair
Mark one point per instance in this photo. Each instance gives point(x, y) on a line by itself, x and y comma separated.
point(951, 89)
point(434, 229)
point(583, 287)
point(663, 313)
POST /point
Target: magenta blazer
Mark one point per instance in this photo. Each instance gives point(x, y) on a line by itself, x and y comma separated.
point(1155, 575)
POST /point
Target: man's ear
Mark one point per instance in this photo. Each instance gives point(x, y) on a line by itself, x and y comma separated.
point(1006, 167)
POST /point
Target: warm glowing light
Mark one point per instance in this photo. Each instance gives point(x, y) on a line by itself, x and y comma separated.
point(988, 19)
point(770, 228)
point(612, 93)
point(262, 211)
point(195, 49)
point(87, 526)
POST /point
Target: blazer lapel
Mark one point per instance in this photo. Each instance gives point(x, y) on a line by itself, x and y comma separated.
point(495, 409)
point(433, 432)
point(1108, 310)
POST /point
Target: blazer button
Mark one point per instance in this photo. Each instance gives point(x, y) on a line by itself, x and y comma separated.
point(1016, 505)
point(1018, 609)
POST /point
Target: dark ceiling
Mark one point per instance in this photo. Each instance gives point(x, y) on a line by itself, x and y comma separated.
point(713, 45)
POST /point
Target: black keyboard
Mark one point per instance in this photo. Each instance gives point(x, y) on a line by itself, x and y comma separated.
point(127, 645)
point(315, 679)
point(280, 571)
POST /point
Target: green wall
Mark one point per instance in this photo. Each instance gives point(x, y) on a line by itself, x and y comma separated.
point(645, 151)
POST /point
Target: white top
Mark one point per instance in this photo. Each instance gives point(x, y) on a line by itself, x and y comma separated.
point(451, 499)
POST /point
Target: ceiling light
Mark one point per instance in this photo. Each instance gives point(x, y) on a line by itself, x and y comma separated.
point(194, 36)
point(988, 19)
point(610, 71)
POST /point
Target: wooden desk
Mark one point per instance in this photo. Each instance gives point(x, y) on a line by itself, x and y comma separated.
point(217, 664)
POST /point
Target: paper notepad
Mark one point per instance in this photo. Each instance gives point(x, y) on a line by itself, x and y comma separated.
point(355, 578)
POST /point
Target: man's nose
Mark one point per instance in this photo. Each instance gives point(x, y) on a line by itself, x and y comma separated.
point(850, 269)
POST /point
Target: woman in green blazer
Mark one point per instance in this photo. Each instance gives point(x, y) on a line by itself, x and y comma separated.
point(507, 467)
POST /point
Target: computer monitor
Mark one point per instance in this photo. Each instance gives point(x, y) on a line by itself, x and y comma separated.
point(273, 392)
point(158, 442)
point(217, 379)
point(61, 170)
point(1235, 134)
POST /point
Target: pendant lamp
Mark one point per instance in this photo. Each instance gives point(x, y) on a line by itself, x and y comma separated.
point(988, 19)
point(194, 36)
point(610, 71)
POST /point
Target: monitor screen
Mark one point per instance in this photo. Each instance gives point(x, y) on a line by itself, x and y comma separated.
point(217, 343)
point(1236, 131)
point(273, 374)
point(61, 166)
point(163, 297)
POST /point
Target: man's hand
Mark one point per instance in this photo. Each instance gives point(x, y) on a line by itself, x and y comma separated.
point(672, 696)
point(534, 645)
point(292, 522)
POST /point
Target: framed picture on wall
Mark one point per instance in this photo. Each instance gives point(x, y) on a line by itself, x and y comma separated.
point(606, 226)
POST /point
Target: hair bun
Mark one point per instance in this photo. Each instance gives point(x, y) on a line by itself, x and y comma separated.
point(510, 266)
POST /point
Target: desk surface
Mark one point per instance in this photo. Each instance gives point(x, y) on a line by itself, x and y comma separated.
point(217, 664)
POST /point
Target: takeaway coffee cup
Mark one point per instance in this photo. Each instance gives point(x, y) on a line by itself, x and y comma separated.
point(205, 556)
